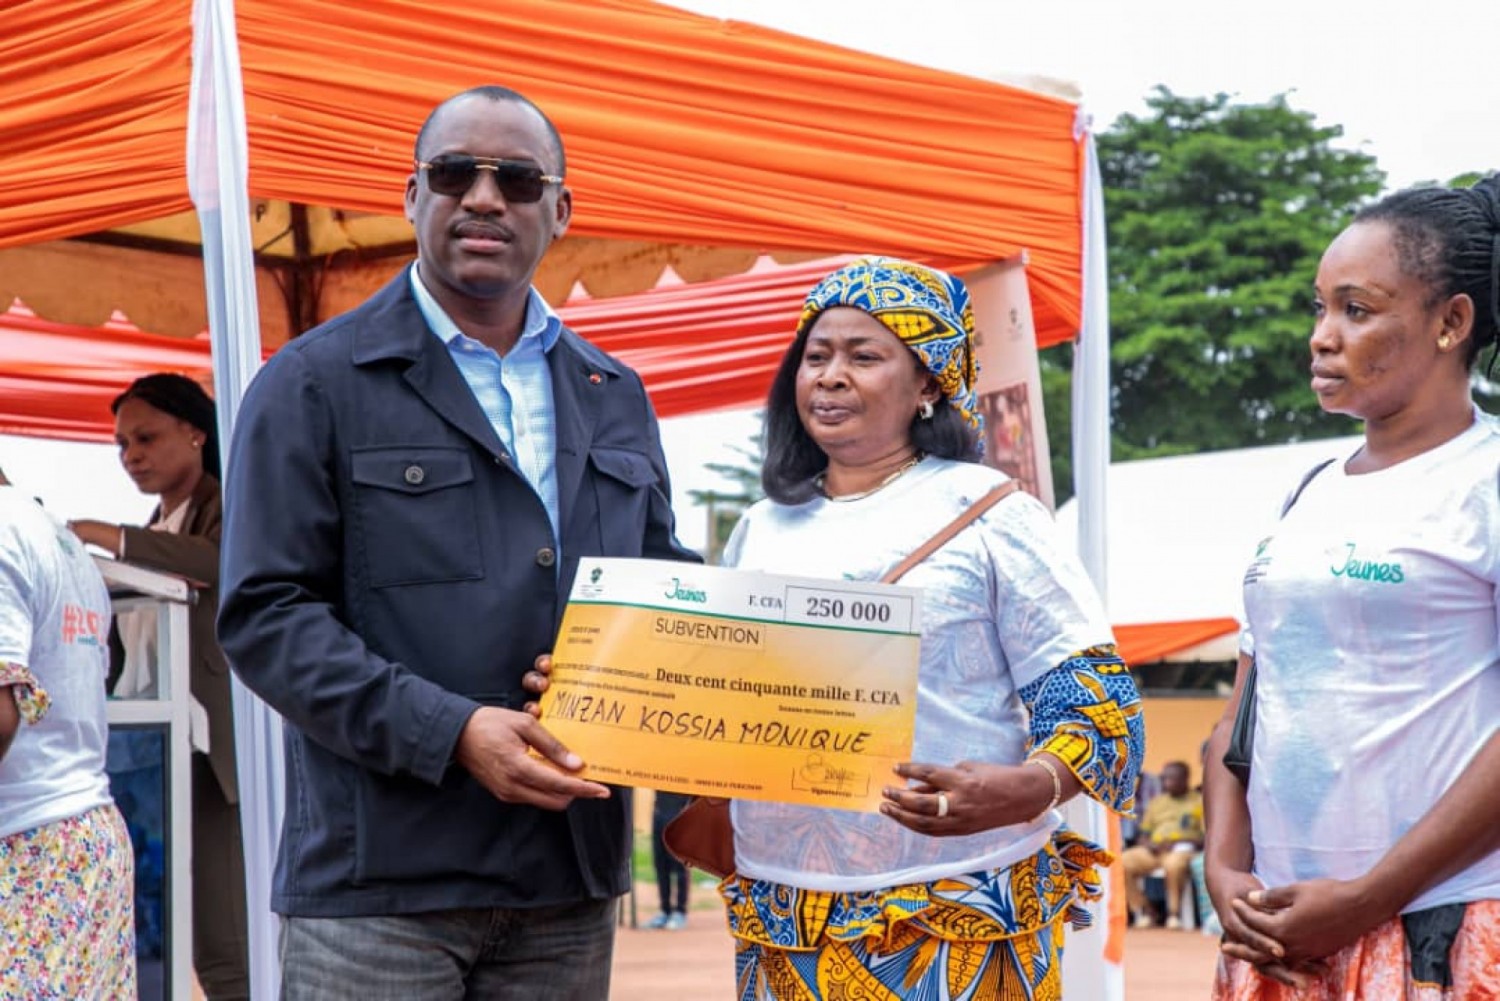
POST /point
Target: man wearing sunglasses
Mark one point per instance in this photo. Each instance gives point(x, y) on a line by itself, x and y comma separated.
point(411, 486)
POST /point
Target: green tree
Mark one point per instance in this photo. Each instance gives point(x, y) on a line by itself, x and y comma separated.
point(1057, 383)
point(1217, 214)
point(725, 506)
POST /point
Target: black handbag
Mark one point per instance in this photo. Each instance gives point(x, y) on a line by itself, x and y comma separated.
point(1242, 737)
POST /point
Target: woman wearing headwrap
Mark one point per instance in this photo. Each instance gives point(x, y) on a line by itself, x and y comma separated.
point(960, 886)
point(168, 437)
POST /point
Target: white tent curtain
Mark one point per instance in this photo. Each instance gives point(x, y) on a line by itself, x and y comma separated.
point(1085, 970)
point(218, 166)
point(1091, 382)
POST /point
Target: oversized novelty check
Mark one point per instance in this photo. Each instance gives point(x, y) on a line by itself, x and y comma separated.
point(733, 683)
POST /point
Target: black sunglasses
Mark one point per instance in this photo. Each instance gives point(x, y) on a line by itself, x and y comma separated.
point(453, 174)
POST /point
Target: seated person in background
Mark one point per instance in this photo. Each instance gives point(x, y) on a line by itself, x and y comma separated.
point(1171, 834)
point(1146, 788)
point(1208, 918)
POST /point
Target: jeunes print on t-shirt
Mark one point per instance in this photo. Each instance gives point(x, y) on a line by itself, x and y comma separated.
point(1358, 566)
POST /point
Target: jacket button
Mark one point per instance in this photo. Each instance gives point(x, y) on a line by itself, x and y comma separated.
point(414, 475)
point(546, 556)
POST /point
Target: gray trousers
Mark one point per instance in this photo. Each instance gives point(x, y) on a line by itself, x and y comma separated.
point(538, 954)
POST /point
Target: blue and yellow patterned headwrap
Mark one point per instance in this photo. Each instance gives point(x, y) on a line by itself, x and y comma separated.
point(928, 309)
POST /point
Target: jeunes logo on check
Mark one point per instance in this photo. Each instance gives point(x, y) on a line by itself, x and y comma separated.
point(678, 592)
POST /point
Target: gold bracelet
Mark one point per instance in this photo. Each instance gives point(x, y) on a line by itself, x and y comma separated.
point(1056, 786)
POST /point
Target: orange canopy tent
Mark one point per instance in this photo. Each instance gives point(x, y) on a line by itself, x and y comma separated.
point(1149, 642)
point(692, 142)
point(703, 346)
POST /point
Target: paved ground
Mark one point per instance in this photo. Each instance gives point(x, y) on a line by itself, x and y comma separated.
point(696, 963)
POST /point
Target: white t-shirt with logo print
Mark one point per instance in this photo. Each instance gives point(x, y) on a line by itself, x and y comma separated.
point(1373, 615)
point(54, 621)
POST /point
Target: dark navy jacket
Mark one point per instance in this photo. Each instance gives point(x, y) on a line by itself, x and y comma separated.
point(386, 569)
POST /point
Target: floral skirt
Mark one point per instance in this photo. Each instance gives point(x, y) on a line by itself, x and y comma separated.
point(1379, 967)
point(984, 936)
point(67, 927)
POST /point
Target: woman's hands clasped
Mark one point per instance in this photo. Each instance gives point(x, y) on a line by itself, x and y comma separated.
point(1286, 932)
point(1229, 890)
point(1300, 925)
point(966, 798)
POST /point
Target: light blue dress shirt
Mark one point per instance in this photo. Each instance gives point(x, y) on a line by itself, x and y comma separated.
point(515, 392)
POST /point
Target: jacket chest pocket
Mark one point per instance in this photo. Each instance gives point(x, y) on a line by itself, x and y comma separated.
point(417, 519)
point(623, 482)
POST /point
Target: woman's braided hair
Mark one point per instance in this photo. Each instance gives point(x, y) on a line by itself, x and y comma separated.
point(1449, 238)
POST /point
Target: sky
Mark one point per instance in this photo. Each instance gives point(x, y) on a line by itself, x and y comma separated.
point(1416, 85)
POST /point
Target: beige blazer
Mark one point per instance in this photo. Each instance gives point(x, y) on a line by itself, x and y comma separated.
point(195, 553)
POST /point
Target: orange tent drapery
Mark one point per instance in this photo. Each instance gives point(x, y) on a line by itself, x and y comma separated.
point(1147, 642)
point(57, 380)
point(681, 129)
point(693, 130)
point(706, 346)
point(94, 115)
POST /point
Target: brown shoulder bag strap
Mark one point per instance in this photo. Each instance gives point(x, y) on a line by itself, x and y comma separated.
point(943, 537)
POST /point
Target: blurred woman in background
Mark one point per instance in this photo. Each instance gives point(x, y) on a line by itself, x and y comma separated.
point(166, 429)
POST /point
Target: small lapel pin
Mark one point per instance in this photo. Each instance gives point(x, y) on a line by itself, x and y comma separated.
point(595, 378)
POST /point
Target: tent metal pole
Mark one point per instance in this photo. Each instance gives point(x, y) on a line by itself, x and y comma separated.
point(218, 181)
point(1091, 968)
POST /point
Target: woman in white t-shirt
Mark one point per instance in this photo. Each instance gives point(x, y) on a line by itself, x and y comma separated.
point(960, 886)
point(1362, 860)
point(67, 923)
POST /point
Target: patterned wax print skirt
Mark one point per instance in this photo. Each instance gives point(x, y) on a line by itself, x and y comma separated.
point(984, 936)
point(67, 927)
point(1450, 953)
